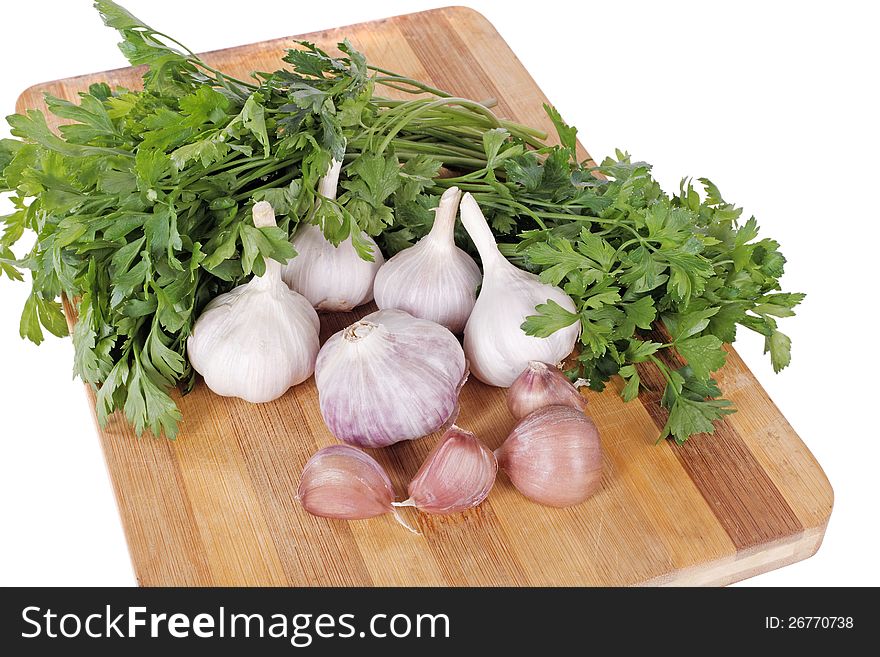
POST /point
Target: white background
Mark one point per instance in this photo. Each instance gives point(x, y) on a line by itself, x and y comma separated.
point(776, 102)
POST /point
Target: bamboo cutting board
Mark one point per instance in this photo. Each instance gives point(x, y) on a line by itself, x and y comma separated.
point(217, 507)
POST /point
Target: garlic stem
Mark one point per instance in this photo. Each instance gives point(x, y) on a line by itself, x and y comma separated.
point(478, 228)
point(399, 518)
point(264, 217)
point(358, 331)
point(328, 185)
point(443, 230)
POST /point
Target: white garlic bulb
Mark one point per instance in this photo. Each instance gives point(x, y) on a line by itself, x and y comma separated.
point(389, 377)
point(433, 279)
point(257, 340)
point(332, 278)
point(497, 348)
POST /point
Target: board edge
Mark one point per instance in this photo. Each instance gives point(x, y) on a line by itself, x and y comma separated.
point(745, 564)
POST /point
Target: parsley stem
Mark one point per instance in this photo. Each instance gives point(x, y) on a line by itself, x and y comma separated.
point(463, 102)
point(194, 59)
point(445, 159)
point(664, 370)
point(380, 101)
point(277, 182)
point(396, 77)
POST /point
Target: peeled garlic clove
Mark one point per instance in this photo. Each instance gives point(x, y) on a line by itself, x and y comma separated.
point(257, 340)
point(433, 279)
point(343, 482)
point(457, 475)
point(553, 456)
point(542, 385)
point(387, 378)
point(332, 278)
point(497, 348)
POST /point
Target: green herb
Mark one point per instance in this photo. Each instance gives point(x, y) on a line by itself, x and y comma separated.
point(140, 208)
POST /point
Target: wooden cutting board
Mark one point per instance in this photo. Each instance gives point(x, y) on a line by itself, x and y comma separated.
point(216, 507)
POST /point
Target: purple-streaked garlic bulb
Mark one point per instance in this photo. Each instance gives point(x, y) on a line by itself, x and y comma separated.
point(457, 475)
point(542, 385)
point(553, 456)
point(389, 377)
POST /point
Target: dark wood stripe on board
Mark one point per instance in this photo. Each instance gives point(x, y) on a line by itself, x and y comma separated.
point(740, 493)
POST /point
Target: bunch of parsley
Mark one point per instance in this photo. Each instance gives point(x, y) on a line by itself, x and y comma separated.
point(141, 213)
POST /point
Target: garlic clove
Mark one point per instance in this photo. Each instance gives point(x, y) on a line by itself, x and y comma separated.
point(389, 377)
point(343, 482)
point(542, 385)
point(332, 278)
point(259, 339)
point(433, 279)
point(496, 346)
point(457, 475)
point(553, 456)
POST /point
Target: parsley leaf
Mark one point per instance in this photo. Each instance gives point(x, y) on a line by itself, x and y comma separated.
point(550, 318)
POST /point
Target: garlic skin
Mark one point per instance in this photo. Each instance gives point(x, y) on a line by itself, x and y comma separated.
point(497, 348)
point(332, 278)
point(258, 340)
point(343, 482)
point(553, 456)
point(542, 385)
point(432, 279)
point(389, 377)
point(457, 475)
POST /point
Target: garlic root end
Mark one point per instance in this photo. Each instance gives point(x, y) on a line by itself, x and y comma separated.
point(401, 521)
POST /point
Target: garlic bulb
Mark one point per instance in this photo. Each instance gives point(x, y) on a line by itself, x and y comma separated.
point(542, 385)
point(332, 278)
point(457, 475)
point(389, 377)
point(553, 456)
point(258, 340)
point(497, 348)
point(343, 482)
point(433, 279)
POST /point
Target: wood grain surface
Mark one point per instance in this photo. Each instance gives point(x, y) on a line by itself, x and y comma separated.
point(216, 507)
